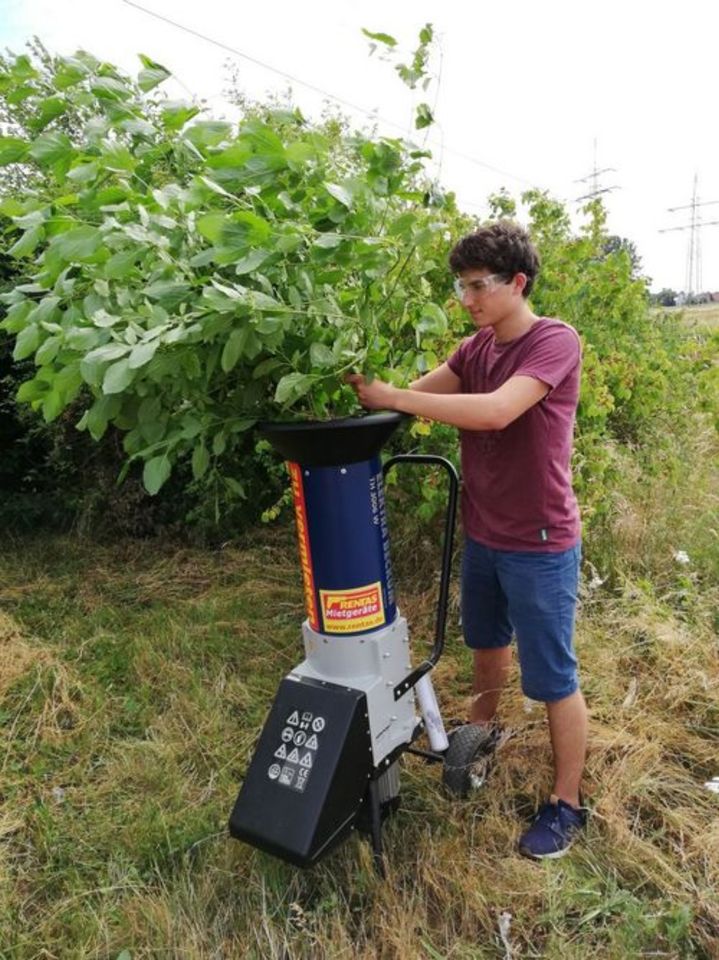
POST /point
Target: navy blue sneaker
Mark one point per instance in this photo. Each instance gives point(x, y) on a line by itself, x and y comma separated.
point(554, 829)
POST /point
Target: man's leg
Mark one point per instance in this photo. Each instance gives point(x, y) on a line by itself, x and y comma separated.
point(487, 629)
point(491, 668)
point(568, 732)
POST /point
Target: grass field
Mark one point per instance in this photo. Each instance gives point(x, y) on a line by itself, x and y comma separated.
point(135, 678)
point(700, 315)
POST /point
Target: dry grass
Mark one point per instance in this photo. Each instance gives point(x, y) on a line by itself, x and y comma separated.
point(134, 679)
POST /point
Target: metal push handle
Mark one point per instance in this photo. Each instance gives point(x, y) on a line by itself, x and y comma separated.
point(449, 524)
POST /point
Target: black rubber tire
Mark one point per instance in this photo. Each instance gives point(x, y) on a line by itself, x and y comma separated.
point(468, 757)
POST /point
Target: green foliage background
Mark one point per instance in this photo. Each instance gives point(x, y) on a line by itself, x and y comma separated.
point(174, 279)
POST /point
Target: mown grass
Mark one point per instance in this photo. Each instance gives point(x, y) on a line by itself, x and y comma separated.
point(134, 681)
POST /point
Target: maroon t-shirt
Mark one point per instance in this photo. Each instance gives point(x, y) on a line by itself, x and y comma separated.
point(517, 486)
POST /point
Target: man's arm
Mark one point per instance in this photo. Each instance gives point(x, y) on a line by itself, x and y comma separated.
point(439, 380)
point(468, 411)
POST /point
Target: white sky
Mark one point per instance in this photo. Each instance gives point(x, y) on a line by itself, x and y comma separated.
point(525, 88)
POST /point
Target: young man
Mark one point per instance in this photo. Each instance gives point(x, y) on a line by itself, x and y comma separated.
point(512, 390)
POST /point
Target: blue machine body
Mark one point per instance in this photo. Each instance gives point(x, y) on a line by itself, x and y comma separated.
point(344, 546)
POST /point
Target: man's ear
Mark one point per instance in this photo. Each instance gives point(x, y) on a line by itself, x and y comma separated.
point(519, 282)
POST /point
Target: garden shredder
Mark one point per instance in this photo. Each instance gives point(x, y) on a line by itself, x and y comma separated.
point(327, 759)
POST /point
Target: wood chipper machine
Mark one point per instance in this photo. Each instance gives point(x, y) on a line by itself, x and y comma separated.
point(327, 760)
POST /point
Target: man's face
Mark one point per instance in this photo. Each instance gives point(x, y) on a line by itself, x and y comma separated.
point(487, 297)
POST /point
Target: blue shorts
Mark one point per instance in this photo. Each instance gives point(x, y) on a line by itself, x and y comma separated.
point(530, 595)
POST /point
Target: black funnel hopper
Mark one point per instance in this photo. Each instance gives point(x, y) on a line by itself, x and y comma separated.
point(329, 443)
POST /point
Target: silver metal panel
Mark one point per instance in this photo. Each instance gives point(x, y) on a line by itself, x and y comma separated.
point(374, 663)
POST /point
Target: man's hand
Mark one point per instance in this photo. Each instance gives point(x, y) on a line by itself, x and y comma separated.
point(468, 411)
point(373, 396)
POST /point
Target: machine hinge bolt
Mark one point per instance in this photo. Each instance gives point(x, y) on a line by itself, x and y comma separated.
point(386, 655)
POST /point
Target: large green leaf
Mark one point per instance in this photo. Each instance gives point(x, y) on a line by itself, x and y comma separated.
point(120, 264)
point(116, 157)
point(22, 68)
point(118, 377)
point(175, 114)
point(200, 461)
point(12, 150)
point(292, 386)
point(48, 351)
point(142, 353)
point(110, 88)
point(52, 405)
point(155, 473)
point(240, 232)
point(47, 111)
point(341, 193)
point(44, 310)
point(152, 74)
point(77, 245)
point(321, 355)
point(208, 133)
point(168, 292)
point(26, 343)
point(252, 261)
point(70, 72)
point(234, 348)
point(27, 243)
point(49, 148)
point(210, 226)
point(100, 414)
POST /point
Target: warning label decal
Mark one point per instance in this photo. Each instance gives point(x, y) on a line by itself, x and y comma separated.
point(298, 751)
point(349, 611)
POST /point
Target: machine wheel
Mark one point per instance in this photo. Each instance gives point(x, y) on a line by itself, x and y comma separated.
point(468, 759)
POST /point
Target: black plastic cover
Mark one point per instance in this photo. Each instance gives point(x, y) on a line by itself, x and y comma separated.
point(308, 778)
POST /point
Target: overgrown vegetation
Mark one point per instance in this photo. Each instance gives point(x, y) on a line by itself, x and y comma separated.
point(170, 280)
point(183, 278)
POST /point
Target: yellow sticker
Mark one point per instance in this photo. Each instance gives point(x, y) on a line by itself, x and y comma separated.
point(351, 611)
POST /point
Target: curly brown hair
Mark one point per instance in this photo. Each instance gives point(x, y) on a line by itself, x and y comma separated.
point(502, 247)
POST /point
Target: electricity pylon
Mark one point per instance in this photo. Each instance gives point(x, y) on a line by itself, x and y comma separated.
point(694, 253)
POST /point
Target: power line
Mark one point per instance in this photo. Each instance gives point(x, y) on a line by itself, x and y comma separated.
point(372, 114)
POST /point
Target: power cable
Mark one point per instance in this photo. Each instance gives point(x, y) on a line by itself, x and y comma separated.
point(319, 90)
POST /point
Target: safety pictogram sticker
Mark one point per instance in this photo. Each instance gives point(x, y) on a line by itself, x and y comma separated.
point(298, 750)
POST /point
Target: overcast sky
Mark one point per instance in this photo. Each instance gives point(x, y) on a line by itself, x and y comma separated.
point(525, 89)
